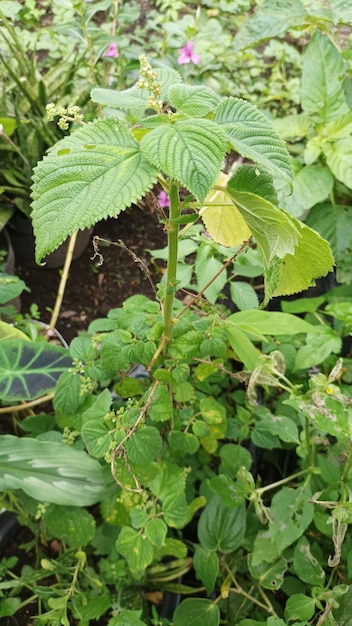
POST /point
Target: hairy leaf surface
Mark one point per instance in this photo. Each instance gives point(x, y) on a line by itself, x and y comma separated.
point(196, 101)
point(95, 173)
point(189, 151)
point(251, 134)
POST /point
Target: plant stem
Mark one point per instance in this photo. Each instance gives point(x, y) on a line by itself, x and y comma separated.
point(63, 281)
point(172, 240)
point(283, 481)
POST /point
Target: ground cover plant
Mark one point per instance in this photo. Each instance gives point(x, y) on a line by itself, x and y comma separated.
point(190, 450)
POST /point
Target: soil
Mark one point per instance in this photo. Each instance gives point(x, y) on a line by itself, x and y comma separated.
point(93, 289)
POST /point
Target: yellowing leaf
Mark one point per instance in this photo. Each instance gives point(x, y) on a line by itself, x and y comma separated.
point(221, 218)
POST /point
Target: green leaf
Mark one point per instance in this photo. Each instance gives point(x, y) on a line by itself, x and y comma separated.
point(135, 99)
point(294, 273)
point(243, 295)
point(184, 442)
point(220, 527)
point(306, 565)
point(270, 323)
point(7, 331)
point(323, 72)
point(52, 472)
point(341, 11)
point(334, 223)
point(95, 173)
point(311, 185)
point(29, 370)
point(135, 548)
point(76, 527)
point(206, 565)
point(156, 531)
point(198, 612)
point(274, 230)
point(10, 287)
point(242, 346)
point(339, 158)
point(318, 347)
point(96, 438)
point(160, 408)
point(189, 151)
point(291, 513)
point(144, 446)
point(256, 180)
point(272, 18)
point(9, 606)
point(207, 267)
point(293, 126)
point(127, 617)
point(251, 134)
point(269, 575)
point(132, 99)
point(169, 486)
point(299, 607)
point(196, 101)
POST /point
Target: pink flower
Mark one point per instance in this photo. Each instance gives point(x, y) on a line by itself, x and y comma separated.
point(163, 200)
point(186, 55)
point(112, 51)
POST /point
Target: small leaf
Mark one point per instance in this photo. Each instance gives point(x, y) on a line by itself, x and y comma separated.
point(76, 527)
point(71, 182)
point(339, 158)
point(143, 446)
point(206, 565)
point(291, 513)
point(189, 151)
point(251, 134)
point(306, 565)
point(269, 575)
point(243, 295)
point(160, 408)
point(156, 531)
point(196, 101)
point(198, 612)
point(135, 548)
point(299, 607)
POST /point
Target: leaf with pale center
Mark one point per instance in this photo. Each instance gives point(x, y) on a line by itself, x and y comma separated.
point(95, 173)
point(189, 151)
point(253, 136)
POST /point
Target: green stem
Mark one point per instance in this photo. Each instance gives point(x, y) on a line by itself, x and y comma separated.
point(283, 481)
point(172, 240)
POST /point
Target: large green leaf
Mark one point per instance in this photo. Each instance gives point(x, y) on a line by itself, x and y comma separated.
point(29, 370)
point(189, 151)
point(52, 472)
point(334, 223)
point(251, 134)
point(95, 173)
point(322, 76)
point(220, 527)
point(272, 18)
point(269, 323)
point(136, 548)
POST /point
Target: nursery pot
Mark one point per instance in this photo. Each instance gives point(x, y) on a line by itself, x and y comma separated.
point(23, 242)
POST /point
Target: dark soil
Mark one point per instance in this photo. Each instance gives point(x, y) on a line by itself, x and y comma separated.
point(93, 289)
